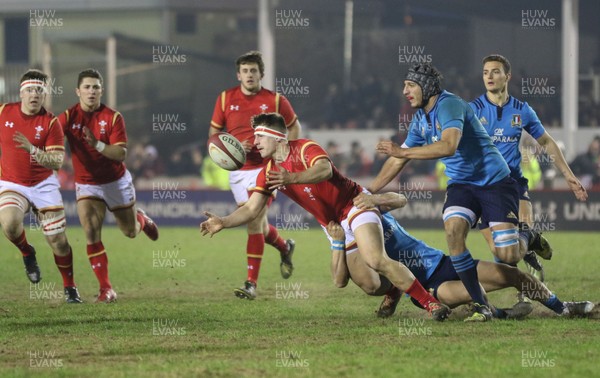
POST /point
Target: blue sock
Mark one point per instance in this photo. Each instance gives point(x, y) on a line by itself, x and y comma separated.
point(554, 304)
point(467, 271)
point(497, 260)
point(525, 233)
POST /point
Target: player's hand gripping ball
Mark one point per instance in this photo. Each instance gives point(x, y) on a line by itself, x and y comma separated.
point(226, 151)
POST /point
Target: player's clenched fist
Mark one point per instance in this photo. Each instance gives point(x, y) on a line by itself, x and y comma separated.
point(212, 225)
point(336, 231)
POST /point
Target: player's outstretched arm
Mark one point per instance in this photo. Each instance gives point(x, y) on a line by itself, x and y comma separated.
point(339, 267)
point(242, 215)
point(560, 162)
point(446, 146)
point(391, 168)
point(385, 201)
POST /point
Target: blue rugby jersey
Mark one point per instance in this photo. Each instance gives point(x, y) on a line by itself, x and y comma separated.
point(476, 161)
point(505, 125)
point(419, 258)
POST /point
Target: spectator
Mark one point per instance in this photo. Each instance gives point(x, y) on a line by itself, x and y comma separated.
point(586, 166)
point(337, 158)
point(531, 169)
point(358, 162)
point(214, 176)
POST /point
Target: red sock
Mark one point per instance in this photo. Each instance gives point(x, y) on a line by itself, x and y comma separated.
point(99, 261)
point(254, 250)
point(275, 240)
point(22, 244)
point(417, 291)
point(65, 267)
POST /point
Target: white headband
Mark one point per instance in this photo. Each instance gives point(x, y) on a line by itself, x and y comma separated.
point(34, 83)
point(265, 131)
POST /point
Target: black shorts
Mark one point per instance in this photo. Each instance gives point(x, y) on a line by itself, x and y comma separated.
point(443, 273)
point(498, 202)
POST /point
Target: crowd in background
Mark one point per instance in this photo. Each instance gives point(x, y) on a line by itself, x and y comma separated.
point(370, 103)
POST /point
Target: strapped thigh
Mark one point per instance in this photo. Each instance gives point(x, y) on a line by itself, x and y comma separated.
point(53, 222)
point(13, 199)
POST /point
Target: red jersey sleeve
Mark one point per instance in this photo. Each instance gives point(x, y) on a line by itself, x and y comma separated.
point(218, 118)
point(311, 152)
point(285, 109)
point(63, 119)
point(261, 181)
point(56, 137)
point(118, 135)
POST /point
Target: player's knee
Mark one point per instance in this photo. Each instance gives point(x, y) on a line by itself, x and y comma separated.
point(59, 244)
point(12, 230)
point(370, 288)
point(129, 232)
point(508, 255)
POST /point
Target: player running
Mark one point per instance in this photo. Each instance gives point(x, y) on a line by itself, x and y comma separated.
point(32, 144)
point(480, 186)
point(98, 142)
point(505, 118)
point(302, 171)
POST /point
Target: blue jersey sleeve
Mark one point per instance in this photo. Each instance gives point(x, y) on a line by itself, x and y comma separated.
point(414, 137)
point(533, 125)
point(451, 114)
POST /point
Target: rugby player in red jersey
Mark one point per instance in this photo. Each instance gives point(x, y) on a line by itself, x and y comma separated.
point(32, 144)
point(233, 110)
point(302, 171)
point(98, 143)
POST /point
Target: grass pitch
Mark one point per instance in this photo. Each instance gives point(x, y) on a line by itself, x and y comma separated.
point(177, 316)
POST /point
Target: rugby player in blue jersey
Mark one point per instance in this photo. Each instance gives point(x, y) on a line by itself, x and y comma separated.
point(505, 118)
point(433, 269)
point(479, 187)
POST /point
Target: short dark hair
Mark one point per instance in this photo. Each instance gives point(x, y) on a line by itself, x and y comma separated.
point(249, 58)
point(272, 120)
point(498, 58)
point(33, 74)
point(90, 72)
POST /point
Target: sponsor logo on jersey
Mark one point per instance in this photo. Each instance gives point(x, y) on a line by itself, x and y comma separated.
point(234, 107)
point(264, 107)
point(9, 124)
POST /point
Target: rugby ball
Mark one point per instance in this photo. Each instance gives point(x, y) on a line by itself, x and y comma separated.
point(226, 151)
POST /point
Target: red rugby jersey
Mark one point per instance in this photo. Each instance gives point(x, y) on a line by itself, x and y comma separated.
point(329, 200)
point(43, 130)
point(234, 110)
point(107, 125)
